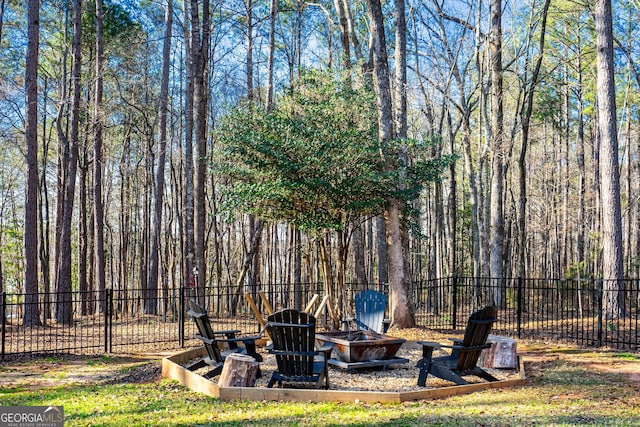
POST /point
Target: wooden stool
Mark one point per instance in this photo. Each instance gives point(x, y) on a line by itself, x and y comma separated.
point(239, 370)
point(501, 354)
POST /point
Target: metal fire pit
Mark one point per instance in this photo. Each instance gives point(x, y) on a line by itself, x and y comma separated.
point(359, 349)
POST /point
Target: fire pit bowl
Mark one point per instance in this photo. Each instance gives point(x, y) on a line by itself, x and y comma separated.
point(360, 346)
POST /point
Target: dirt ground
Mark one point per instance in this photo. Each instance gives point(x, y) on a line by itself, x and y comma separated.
point(53, 372)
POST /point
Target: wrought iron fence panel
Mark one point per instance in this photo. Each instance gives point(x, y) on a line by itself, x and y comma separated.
point(127, 321)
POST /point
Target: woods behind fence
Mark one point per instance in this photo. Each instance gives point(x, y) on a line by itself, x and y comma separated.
point(114, 321)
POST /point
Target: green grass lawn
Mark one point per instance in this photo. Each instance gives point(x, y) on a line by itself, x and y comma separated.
point(565, 387)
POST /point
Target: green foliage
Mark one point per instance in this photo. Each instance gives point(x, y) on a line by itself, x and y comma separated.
point(11, 249)
point(577, 270)
point(311, 161)
point(117, 24)
point(627, 356)
point(315, 160)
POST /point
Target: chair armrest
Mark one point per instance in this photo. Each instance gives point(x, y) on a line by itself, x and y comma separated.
point(231, 333)
point(235, 339)
point(434, 344)
point(427, 354)
point(473, 348)
point(206, 340)
point(250, 347)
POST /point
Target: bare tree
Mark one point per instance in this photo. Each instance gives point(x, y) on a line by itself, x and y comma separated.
point(31, 315)
point(525, 119)
point(189, 244)
point(152, 285)
point(44, 222)
point(496, 252)
point(200, 55)
point(612, 251)
point(64, 312)
point(250, 267)
point(273, 13)
point(98, 204)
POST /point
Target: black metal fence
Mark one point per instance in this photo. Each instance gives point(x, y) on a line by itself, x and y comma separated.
point(587, 313)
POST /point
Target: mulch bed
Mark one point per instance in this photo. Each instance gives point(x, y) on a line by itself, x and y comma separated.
point(395, 378)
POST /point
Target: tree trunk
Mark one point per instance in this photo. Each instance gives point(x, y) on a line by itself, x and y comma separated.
point(343, 26)
point(496, 251)
point(359, 257)
point(401, 308)
point(381, 251)
point(249, 7)
point(98, 205)
point(612, 253)
point(152, 285)
point(582, 189)
point(525, 119)
point(200, 40)
point(273, 12)
point(31, 311)
point(325, 263)
point(189, 244)
point(64, 311)
point(400, 118)
point(473, 186)
point(255, 226)
point(43, 217)
point(83, 244)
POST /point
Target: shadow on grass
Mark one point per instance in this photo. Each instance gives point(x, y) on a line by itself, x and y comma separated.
point(561, 391)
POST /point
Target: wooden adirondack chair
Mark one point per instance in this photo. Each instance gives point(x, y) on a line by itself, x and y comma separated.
point(294, 346)
point(212, 341)
point(464, 355)
point(370, 306)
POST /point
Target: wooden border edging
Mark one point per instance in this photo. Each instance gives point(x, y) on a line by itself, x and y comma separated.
point(172, 367)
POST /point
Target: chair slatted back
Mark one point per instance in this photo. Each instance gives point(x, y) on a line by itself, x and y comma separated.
point(370, 306)
point(205, 332)
point(293, 335)
point(475, 337)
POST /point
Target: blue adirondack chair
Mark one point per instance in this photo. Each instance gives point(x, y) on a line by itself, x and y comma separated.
point(370, 307)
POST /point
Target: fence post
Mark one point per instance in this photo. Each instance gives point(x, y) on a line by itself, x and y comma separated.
point(108, 319)
point(454, 316)
point(519, 309)
point(181, 315)
point(4, 321)
point(600, 291)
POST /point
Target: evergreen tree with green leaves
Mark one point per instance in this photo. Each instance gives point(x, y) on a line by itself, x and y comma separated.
point(315, 161)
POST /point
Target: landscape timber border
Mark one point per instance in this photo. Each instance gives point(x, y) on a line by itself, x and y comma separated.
point(173, 367)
